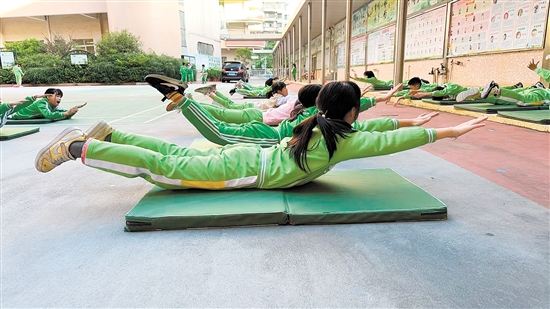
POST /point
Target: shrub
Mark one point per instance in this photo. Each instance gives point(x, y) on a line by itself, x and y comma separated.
point(214, 73)
point(26, 47)
point(40, 61)
point(114, 43)
point(58, 45)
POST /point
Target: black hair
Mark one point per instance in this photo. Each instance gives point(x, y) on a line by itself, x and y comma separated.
point(56, 91)
point(369, 74)
point(274, 88)
point(294, 64)
point(306, 98)
point(424, 81)
point(269, 82)
point(334, 102)
point(415, 81)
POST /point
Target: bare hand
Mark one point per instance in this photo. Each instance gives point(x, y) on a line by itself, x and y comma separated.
point(424, 118)
point(81, 105)
point(73, 110)
point(532, 65)
point(366, 89)
point(468, 126)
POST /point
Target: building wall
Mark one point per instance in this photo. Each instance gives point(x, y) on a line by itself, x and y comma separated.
point(157, 25)
point(202, 23)
point(20, 28)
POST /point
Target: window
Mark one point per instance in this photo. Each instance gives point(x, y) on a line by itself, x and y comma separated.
point(224, 59)
point(85, 44)
point(205, 49)
point(182, 30)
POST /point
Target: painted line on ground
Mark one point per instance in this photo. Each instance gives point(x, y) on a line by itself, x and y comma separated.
point(129, 116)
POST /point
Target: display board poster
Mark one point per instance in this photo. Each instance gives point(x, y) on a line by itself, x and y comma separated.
point(426, 35)
point(341, 55)
point(340, 32)
point(414, 6)
point(380, 46)
point(359, 22)
point(79, 59)
point(357, 51)
point(7, 59)
point(496, 25)
point(380, 13)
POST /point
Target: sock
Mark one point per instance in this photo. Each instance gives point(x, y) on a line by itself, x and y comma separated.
point(108, 137)
point(75, 149)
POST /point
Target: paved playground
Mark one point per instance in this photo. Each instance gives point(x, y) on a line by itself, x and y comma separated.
point(63, 242)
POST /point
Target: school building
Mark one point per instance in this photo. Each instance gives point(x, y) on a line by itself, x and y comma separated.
point(469, 42)
point(183, 28)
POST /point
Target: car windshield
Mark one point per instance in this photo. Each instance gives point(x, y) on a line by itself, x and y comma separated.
point(232, 65)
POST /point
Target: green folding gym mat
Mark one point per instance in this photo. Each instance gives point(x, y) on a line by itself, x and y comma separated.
point(451, 102)
point(490, 108)
point(11, 133)
point(344, 196)
point(537, 116)
point(361, 196)
point(30, 121)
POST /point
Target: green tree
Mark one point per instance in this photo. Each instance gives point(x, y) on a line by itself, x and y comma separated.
point(244, 55)
point(58, 45)
point(27, 47)
point(122, 42)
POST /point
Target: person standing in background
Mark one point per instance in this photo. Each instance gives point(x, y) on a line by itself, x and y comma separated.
point(18, 72)
point(294, 71)
point(183, 72)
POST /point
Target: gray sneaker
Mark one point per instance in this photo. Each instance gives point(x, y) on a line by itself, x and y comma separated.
point(204, 90)
point(490, 88)
point(99, 131)
point(470, 94)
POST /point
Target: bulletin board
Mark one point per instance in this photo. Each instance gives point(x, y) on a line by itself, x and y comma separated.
point(426, 35)
point(380, 13)
point(357, 51)
point(341, 55)
point(340, 32)
point(359, 22)
point(479, 26)
point(380, 47)
point(414, 6)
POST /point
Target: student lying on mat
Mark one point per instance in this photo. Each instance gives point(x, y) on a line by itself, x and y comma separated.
point(223, 133)
point(369, 77)
point(533, 96)
point(46, 106)
point(292, 162)
point(416, 84)
point(272, 116)
point(290, 110)
point(274, 97)
point(247, 89)
point(7, 109)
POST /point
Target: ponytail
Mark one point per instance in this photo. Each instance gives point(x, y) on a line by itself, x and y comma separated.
point(274, 88)
point(306, 98)
point(334, 102)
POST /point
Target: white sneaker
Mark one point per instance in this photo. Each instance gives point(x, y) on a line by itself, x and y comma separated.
point(57, 151)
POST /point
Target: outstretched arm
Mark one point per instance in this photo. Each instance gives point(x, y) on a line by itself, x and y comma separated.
point(389, 94)
point(418, 121)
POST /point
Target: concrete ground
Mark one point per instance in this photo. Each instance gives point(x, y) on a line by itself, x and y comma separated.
point(63, 244)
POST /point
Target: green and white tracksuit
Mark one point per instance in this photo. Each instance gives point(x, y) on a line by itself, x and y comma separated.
point(423, 87)
point(39, 109)
point(184, 71)
point(245, 165)
point(255, 92)
point(522, 97)
point(262, 105)
point(544, 73)
point(254, 132)
point(18, 75)
point(233, 115)
point(204, 75)
point(374, 81)
point(6, 110)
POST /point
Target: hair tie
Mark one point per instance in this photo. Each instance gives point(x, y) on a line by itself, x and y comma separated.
point(322, 115)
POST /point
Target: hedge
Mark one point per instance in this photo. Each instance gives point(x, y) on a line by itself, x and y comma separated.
point(115, 70)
